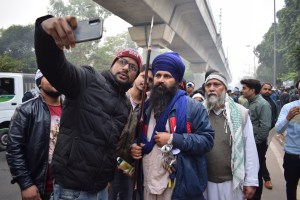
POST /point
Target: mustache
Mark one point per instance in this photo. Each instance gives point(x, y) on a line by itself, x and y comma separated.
point(211, 94)
point(160, 85)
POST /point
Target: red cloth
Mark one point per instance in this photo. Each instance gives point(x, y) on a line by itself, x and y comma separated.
point(55, 111)
point(49, 182)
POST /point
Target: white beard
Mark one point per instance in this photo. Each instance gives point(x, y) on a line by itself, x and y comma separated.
point(214, 102)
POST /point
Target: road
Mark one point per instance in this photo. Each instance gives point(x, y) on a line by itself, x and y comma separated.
point(275, 155)
point(274, 162)
point(8, 191)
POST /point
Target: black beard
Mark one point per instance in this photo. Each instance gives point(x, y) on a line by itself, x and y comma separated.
point(122, 85)
point(266, 96)
point(160, 98)
point(52, 94)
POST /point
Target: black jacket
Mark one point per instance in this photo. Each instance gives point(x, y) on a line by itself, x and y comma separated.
point(28, 144)
point(94, 113)
point(274, 110)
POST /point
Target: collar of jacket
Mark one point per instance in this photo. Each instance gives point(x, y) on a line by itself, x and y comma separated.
point(268, 99)
point(61, 99)
point(110, 78)
point(253, 98)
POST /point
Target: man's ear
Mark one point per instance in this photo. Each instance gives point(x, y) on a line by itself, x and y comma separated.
point(253, 90)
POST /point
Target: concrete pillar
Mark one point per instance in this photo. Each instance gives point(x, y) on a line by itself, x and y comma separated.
point(162, 36)
point(199, 79)
point(198, 67)
point(155, 51)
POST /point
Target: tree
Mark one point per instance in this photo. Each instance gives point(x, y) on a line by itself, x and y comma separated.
point(82, 9)
point(16, 43)
point(102, 58)
point(287, 45)
point(9, 64)
point(289, 25)
point(97, 53)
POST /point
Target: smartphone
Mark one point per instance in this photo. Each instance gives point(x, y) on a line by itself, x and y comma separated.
point(88, 30)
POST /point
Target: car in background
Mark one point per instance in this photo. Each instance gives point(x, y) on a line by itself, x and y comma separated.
point(12, 88)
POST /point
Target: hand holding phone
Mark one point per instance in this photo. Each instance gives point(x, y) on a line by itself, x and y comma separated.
point(88, 30)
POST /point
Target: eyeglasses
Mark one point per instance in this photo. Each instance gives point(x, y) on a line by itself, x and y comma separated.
point(132, 67)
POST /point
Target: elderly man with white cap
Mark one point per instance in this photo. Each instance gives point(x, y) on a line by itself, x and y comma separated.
point(233, 162)
point(31, 141)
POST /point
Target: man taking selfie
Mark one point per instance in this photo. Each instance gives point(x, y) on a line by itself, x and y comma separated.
point(94, 113)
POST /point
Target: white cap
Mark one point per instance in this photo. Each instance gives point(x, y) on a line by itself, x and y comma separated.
point(198, 95)
point(38, 74)
point(190, 83)
point(219, 77)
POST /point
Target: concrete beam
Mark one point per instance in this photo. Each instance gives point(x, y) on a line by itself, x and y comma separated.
point(199, 79)
point(162, 35)
point(200, 67)
point(190, 26)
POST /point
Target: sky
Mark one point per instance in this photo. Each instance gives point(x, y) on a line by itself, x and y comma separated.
point(26, 11)
point(242, 25)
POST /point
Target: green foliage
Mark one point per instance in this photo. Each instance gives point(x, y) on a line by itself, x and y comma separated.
point(82, 9)
point(9, 64)
point(288, 76)
point(100, 54)
point(287, 46)
point(17, 42)
point(16, 46)
point(264, 74)
point(110, 46)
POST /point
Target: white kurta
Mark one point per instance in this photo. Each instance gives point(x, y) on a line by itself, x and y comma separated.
point(155, 176)
point(224, 191)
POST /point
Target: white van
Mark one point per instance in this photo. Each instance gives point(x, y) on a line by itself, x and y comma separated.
point(12, 88)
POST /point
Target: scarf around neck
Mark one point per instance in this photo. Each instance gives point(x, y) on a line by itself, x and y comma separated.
point(180, 102)
point(234, 121)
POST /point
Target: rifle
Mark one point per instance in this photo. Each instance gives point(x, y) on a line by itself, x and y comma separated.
point(137, 163)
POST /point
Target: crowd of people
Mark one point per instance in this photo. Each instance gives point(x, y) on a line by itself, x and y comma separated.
point(117, 135)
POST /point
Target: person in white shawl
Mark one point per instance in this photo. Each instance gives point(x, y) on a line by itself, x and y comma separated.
point(233, 162)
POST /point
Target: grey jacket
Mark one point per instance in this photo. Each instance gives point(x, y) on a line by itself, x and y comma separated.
point(261, 117)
